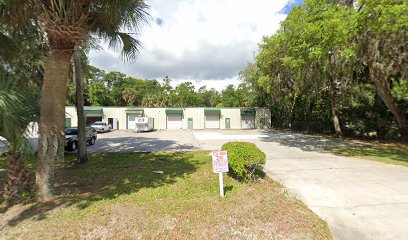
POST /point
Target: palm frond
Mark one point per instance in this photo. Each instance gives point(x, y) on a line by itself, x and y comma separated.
point(16, 111)
point(112, 17)
point(8, 96)
point(130, 45)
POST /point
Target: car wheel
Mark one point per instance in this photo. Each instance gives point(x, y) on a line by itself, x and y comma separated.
point(74, 146)
point(92, 141)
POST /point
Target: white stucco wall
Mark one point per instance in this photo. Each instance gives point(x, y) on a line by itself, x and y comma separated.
point(234, 114)
point(197, 114)
point(159, 115)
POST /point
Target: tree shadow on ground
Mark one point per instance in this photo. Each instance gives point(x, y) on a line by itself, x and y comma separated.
point(138, 144)
point(305, 142)
point(108, 176)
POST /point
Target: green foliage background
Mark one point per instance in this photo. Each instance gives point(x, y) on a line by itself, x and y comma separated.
point(118, 89)
point(323, 54)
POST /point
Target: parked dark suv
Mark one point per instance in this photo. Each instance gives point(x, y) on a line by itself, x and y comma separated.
point(71, 137)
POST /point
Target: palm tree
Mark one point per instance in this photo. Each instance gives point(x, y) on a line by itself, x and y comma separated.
point(15, 115)
point(160, 100)
point(79, 63)
point(67, 23)
point(82, 155)
point(129, 96)
point(20, 74)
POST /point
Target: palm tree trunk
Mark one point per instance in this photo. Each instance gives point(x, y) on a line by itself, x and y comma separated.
point(52, 119)
point(82, 155)
point(17, 180)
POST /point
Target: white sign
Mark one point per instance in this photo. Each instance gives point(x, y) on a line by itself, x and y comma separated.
point(220, 165)
point(220, 161)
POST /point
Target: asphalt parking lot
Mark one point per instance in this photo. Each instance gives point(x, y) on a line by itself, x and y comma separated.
point(130, 141)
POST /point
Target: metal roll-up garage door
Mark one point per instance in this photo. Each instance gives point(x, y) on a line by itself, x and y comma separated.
point(212, 121)
point(174, 121)
point(247, 121)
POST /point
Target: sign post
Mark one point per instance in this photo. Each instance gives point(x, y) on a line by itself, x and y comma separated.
point(221, 184)
point(220, 165)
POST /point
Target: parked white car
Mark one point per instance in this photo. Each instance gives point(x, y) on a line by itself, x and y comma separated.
point(101, 126)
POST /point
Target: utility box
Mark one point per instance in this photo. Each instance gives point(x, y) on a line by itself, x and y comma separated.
point(144, 124)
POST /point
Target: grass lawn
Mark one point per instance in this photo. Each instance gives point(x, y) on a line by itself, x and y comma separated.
point(387, 153)
point(117, 196)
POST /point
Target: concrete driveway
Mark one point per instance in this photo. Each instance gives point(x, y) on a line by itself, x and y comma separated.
point(359, 199)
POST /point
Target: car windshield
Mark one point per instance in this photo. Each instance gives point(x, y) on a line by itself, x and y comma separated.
point(71, 131)
point(97, 123)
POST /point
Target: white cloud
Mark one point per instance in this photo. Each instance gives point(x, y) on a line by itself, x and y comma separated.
point(204, 41)
point(218, 84)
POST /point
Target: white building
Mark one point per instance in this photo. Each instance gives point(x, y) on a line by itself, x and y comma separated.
point(175, 118)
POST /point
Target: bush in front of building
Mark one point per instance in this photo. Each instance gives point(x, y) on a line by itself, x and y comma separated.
point(245, 160)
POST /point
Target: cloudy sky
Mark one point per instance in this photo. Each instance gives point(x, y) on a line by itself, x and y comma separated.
point(207, 42)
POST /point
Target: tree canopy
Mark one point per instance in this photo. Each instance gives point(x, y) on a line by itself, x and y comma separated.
point(337, 66)
point(118, 89)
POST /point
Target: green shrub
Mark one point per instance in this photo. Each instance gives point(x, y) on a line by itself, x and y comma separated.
point(245, 159)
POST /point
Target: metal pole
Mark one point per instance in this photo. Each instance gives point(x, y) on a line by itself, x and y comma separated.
point(221, 184)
